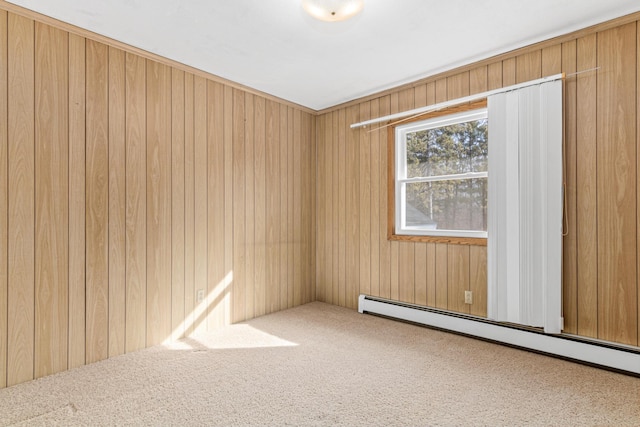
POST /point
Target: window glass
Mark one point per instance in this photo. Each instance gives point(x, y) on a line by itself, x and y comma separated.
point(441, 176)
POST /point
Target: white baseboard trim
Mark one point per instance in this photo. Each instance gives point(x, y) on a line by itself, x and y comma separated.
point(592, 353)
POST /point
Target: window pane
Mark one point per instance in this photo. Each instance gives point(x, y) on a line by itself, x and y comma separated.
point(447, 150)
point(447, 205)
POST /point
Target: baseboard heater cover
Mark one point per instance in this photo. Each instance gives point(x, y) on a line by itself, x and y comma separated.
point(592, 353)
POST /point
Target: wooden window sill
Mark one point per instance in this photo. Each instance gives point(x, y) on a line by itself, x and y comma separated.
point(471, 241)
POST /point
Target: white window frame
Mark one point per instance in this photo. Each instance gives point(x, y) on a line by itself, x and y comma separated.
point(401, 179)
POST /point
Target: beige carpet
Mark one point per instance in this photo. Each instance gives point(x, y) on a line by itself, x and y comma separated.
point(318, 365)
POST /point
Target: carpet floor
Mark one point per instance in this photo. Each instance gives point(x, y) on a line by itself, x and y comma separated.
point(321, 365)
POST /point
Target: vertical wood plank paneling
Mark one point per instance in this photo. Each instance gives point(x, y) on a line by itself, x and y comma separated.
point(321, 180)
point(458, 277)
point(51, 186)
point(478, 80)
point(569, 243)
point(494, 75)
point(136, 203)
point(431, 274)
point(200, 208)
point(312, 228)
point(97, 199)
point(364, 192)
point(586, 178)
point(305, 214)
point(377, 216)
point(272, 178)
point(216, 206)
point(284, 200)
point(3, 198)
point(394, 258)
point(158, 203)
point(20, 246)
point(177, 204)
point(341, 143)
point(189, 204)
point(529, 66)
point(406, 250)
point(123, 169)
point(616, 194)
point(228, 202)
point(334, 153)
point(352, 209)
point(478, 280)
point(291, 185)
point(239, 257)
point(260, 189)
point(509, 72)
point(117, 202)
point(330, 197)
point(385, 245)
point(420, 274)
point(442, 279)
point(249, 204)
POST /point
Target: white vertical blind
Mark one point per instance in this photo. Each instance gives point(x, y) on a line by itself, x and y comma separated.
point(525, 206)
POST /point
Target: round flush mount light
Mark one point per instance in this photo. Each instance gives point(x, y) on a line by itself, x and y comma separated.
point(332, 10)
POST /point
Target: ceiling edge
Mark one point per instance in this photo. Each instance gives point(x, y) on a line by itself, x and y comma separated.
point(36, 16)
point(493, 59)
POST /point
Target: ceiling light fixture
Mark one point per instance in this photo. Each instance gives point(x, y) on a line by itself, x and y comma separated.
point(332, 10)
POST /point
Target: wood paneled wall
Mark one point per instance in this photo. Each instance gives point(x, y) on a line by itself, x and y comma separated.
point(126, 187)
point(601, 256)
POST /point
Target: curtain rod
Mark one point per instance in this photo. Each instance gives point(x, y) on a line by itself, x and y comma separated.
point(453, 102)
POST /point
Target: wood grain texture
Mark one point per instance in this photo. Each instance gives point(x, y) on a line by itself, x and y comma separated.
point(158, 203)
point(260, 207)
point(201, 251)
point(177, 204)
point(117, 202)
point(51, 187)
point(352, 209)
point(374, 203)
point(509, 72)
point(249, 205)
point(616, 194)
point(136, 203)
point(442, 276)
point(364, 203)
point(215, 209)
point(284, 200)
point(394, 257)
point(586, 178)
point(77, 165)
point(272, 183)
point(341, 146)
point(4, 201)
point(228, 201)
point(239, 257)
point(332, 158)
point(323, 269)
point(291, 202)
point(457, 277)
point(385, 245)
point(529, 66)
point(420, 274)
point(189, 205)
point(97, 201)
point(570, 241)
point(478, 280)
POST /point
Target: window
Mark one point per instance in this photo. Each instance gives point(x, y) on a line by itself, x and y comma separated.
point(440, 183)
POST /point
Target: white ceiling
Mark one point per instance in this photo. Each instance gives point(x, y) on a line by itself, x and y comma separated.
point(274, 47)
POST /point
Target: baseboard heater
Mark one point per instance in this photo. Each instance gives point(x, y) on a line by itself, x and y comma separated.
point(619, 358)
